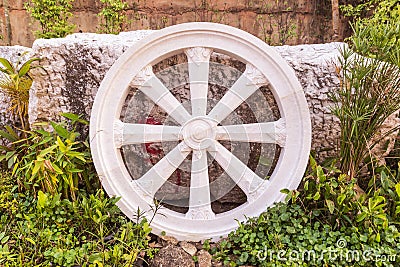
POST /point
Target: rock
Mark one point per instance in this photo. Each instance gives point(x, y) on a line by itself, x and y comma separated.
point(188, 247)
point(73, 68)
point(155, 245)
point(172, 256)
point(385, 144)
point(204, 258)
point(313, 65)
point(199, 245)
point(169, 240)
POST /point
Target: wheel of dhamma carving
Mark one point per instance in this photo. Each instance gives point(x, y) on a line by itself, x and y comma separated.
point(173, 134)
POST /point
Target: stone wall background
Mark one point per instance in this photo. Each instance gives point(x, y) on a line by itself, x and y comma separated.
point(277, 22)
point(73, 68)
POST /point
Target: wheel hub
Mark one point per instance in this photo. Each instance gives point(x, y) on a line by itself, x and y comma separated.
point(199, 133)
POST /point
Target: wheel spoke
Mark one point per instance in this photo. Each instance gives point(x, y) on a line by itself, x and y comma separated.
point(243, 176)
point(198, 62)
point(242, 89)
point(130, 133)
point(152, 180)
point(200, 200)
point(268, 132)
point(152, 87)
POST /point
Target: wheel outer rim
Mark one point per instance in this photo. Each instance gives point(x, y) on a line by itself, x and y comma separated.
point(245, 47)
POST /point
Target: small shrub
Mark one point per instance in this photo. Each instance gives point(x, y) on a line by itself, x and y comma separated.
point(340, 202)
point(113, 16)
point(51, 161)
point(53, 16)
point(16, 83)
point(373, 11)
point(326, 191)
point(287, 236)
point(51, 210)
point(51, 231)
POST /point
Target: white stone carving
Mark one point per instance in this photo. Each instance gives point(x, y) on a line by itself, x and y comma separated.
point(198, 54)
point(200, 213)
point(198, 134)
point(143, 76)
point(255, 76)
point(257, 191)
point(280, 132)
point(118, 133)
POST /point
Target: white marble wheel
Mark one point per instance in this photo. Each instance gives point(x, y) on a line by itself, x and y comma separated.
point(199, 133)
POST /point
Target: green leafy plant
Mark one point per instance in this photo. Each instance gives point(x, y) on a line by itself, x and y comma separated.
point(327, 191)
point(329, 194)
point(113, 16)
point(287, 236)
point(53, 17)
point(54, 162)
point(386, 183)
point(377, 41)
point(325, 217)
point(11, 149)
point(377, 10)
point(51, 231)
point(16, 82)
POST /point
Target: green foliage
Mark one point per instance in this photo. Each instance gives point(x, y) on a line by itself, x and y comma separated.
point(52, 161)
point(325, 223)
point(376, 33)
point(368, 94)
point(287, 236)
point(377, 41)
point(43, 219)
point(375, 11)
point(51, 231)
point(113, 16)
point(327, 191)
point(11, 138)
point(386, 183)
point(53, 16)
point(358, 9)
point(16, 83)
point(340, 202)
point(7, 188)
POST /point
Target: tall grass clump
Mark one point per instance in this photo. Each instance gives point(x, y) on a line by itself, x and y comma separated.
point(369, 90)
